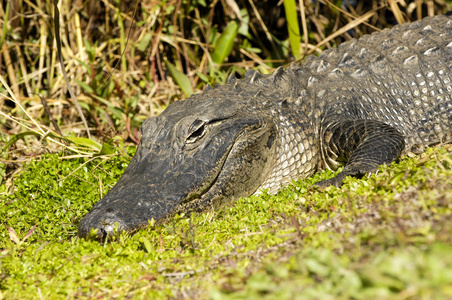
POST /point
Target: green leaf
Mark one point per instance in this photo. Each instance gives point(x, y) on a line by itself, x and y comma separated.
point(394, 180)
point(244, 25)
point(85, 87)
point(106, 149)
point(203, 77)
point(144, 43)
point(15, 137)
point(2, 171)
point(104, 101)
point(224, 44)
point(147, 245)
point(292, 27)
point(180, 78)
point(85, 142)
point(102, 149)
point(90, 49)
point(85, 65)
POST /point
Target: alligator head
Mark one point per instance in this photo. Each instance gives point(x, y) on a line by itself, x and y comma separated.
point(199, 153)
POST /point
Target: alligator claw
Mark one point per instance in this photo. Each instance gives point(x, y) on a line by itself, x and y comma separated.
point(337, 182)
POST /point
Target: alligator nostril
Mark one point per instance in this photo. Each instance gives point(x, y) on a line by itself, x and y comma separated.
point(109, 227)
point(103, 234)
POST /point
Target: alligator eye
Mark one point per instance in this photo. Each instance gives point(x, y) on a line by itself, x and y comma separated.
point(197, 131)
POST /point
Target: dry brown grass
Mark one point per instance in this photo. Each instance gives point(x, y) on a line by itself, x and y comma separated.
point(114, 50)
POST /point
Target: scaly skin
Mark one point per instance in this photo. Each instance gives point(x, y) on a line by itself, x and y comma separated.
point(362, 105)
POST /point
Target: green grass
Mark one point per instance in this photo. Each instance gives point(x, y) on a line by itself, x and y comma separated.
point(387, 236)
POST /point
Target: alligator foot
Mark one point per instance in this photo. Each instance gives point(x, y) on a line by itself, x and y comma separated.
point(349, 170)
point(364, 144)
point(336, 181)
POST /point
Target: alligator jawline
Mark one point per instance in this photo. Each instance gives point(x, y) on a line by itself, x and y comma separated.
point(193, 203)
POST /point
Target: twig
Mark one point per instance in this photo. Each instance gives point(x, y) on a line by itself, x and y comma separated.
point(52, 119)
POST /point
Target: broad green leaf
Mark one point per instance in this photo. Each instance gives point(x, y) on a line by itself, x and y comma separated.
point(102, 149)
point(180, 78)
point(223, 45)
point(244, 25)
point(292, 27)
point(85, 142)
point(106, 149)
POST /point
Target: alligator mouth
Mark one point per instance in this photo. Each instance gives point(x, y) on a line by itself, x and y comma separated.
point(196, 200)
point(213, 195)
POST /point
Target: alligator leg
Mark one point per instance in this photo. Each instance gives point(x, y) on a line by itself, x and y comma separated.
point(362, 145)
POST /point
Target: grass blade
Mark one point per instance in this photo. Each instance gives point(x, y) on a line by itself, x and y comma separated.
point(292, 27)
point(223, 45)
point(5, 25)
point(181, 79)
point(86, 143)
point(15, 137)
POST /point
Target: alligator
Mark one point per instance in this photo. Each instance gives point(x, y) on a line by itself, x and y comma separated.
point(361, 105)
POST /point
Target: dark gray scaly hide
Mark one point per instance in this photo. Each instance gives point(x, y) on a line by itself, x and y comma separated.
point(363, 104)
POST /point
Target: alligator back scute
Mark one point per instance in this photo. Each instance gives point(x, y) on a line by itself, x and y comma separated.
point(401, 76)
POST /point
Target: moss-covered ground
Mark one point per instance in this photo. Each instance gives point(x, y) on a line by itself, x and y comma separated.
point(387, 236)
